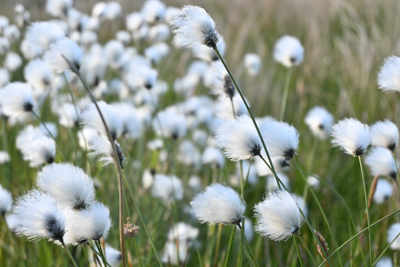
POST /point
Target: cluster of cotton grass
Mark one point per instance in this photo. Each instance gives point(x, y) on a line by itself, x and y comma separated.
point(99, 98)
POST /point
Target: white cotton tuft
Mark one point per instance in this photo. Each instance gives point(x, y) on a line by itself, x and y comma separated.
point(188, 154)
point(58, 8)
point(252, 62)
point(101, 146)
point(351, 136)
point(5, 201)
point(132, 126)
point(384, 133)
point(68, 115)
point(384, 262)
point(381, 162)
point(170, 123)
point(4, 77)
point(389, 75)
point(38, 74)
point(213, 156)
point(194, 25)
point(44, 33)
point(153, 11)
point(112, 255)
point(238, 139)
point(278, 216)
point(4, 156)
point(68, 184)
point(383, 191)
point(39, 216)
point(207, 53)
point(167, 188)
point(59, 51)
point(320, 121)
point(392, 232)
point(16, 98)
point(218, 204)
point(288, 51)
point(13, 61)
point(271, 181)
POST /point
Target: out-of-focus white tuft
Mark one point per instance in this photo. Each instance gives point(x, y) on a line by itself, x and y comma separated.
point(170, 123)
point(59, 51)
point(320, 122)
point(44, 33)
point(380, 161)
point(38, 74)
point(288, 51)
point(213, 156)
point(5, 201)
point(389, 75)
point(383, 191)
point(252, 62)
point(384, 133)
point(167, 188)
point(392, 232)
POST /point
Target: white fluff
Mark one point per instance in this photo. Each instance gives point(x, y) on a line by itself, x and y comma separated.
point(288, 51)
point(188, 154)
point(238, 139)
point(5, 201)
point(278, 216)
point(206, 53)
point(87, 224)
point(132, 126)
point(392, 232)
point(153, 11)
point(167, 188)
point(38, 74)
point(68, 115)
point(271, 181)
point(16, 98)
point(159, 33)
point(320, 121)
point(313, 181)
point(170, 123)
point(249, 173)
point(39, 216)
point(192, 26)
point(44, 33)
point(252, 62)
point(112, 255)
point(380, 161)
point(4, 156)
point(101, 146)
point(280, 138)
point(58, 8)
point(213, 155)
point(68, 184)
point(218, 204)
point(389, 75)
point(4, 77)
point(61, 49)
point(13, 61)
point(384, 262)
point(384, 133)
point(351, 136)
point(383, 191)
point(12, 33)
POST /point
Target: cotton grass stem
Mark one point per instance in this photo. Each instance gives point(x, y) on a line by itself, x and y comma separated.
point(229, 246)
point(308, 251)
point(366, 206)
point(397, 171)
point(69, 255)
point(116, 161)
point(297, 249)
point(285, 94)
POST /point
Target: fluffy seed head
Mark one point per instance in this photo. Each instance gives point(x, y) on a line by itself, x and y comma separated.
point(170, 124)
point(389, 75)
point(320, 122)
point(213, 155)
point(167, 188)
point(392, 232)
point(278, 216)
point(384, 133)
point(16, 98)
point(5, 201)
point(218, 204)
point(351, 136)
point(238, 139)
point(59, 51)
point(288, 51)
point(194, 25)
point(383, 191)
point(38, 74)
point(381, 162)
point(44, 33)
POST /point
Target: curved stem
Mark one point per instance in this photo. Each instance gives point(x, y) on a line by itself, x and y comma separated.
point(297, 249)
point(285, 94)
point(308, 251)
point(386, 248)
point(70, 256)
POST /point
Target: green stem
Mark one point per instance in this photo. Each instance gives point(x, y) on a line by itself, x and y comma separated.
point(218, 244)
point(285, 94)
point(69, 255)
point(366, 206)
point(386, 248)
point(297, 249)
point(308, 251)
point(245, 250)
point(229, 246)
point(397, 171)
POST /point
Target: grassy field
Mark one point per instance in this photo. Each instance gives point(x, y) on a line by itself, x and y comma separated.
point(345, 43)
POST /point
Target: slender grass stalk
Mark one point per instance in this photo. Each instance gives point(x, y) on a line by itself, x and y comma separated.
point(308, 251)
point(14, 241)
point(218, 244)
point(116, 161)
point(358, 234)
point(4, 126)
point(285, 94)
point(229, 246)
point(69, 255)
point(386, 248)
point(72, 95)
point(199, 257)
point(366, 206)
point(245, 251)
point(397, 171)
point(48, 131)
point(297, 249)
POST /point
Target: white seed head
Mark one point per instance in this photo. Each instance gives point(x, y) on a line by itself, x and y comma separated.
point(351, 136)
point(112, 255)
point(59, 51)
point(218, 204)
point(5, 201)
point(278, 216)
point(320, 121)
point(384, 133)
point(44, 33)
point(389, 75)
point(392, 232)
point(213, 155)
point(288, 51)
point(58, 8)
point(383, 191)
point(384, 262)
point(170, 123)
point(4, 157)
point(68, 115)
point(16, 98)
point(38, 74)
point(13, 61)
point(4, 77)
point(167, 188)
point(252, 62)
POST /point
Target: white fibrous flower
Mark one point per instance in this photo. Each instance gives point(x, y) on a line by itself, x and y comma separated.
point(38, 74)
point(13, 61)
point(320, 122)
point(194, 25)
point(101, 146)
point(351, 136)
point(271, 181)
point(112, 255)
point(392, 232)
point(35, 146)
point(68, 184)
point(218, 80)
point(384, 262)
point(384, 133)
point(153, 11)
point(113, 10)
point(4, 77)
point(4, 157)
point(170, 123)
point(224, 109)
point(280, 138)
point(12, 33)
point(91, 119)
point(183, 232)
point(195, 183)
point(188, 154)
point(44, 33)
point(288, 51)
point(50, 129)
point(68, 115)
point(383, 191)
point(16, 98)
point(124, 37)
point(30, 50)
point(170, 13)
point(171, 251)
point(134, 21)
point(4, 45)
point(155, 144)
point(58, 8)
point(159, 33)
point(213, 156)
point(249, 174)
point(301, 203)
point(389, 75)
point(4, 22)
point(239, 139)
point(144, 77)
point(157, 52)
point(39, 216)
point(148, 178)
point(313, 181)
point(278, 216)
point(200, 137)
point(252, 62)
point(84, 136)
point(218, 204)
point(207, 53)
point(114, 51)
point(5, 201)
point(91, 223)
point(61, 50)
point(131, 124)
point(167, 188)
point(381, 162)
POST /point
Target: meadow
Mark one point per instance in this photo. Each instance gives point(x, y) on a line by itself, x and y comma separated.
point(345, 44)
